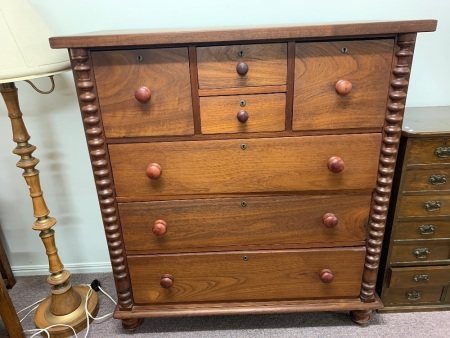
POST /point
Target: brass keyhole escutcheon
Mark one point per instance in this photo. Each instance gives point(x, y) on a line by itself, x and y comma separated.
point(242, 103)
point(245, 258)
point(241, 53)
point(140, 58)
point(243, 204)
point(344, 50)
point(243, 146)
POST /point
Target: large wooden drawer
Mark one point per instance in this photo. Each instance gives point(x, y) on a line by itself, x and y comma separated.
point(165, 72)
point(413, 296)
point(406, 277)
point(427, 229)
point(426, 180)
point(264, 112)
point(424, 205)
point(429, 151)
point(232, 223)
point(267, 65)
point(420, 252)
point(247, 275)
point(245, 165)
point(320, 65)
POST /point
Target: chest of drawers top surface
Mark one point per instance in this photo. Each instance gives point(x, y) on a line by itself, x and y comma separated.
point(244, 170)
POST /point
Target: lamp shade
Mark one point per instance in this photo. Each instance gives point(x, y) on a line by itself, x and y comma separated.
point(26, 53)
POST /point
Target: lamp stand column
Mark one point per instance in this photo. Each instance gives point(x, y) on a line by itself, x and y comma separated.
point(66, 304)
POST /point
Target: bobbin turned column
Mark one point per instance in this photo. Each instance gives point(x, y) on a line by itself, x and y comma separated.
point(66, 304)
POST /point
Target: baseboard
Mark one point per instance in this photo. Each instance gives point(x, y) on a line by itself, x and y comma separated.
point(35, 270)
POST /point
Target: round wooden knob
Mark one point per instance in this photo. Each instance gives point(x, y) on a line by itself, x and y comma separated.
point(142, 94)
point(336, 164)
point(242, 68)
point(166, 281)
point(159, 227)
point(326, 276)
point(329, 220)
point(242, 116)
point(153, 171)
point(343, 87)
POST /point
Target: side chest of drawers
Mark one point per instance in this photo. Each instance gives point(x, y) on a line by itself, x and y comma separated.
point(416, 261)
point(244, 171)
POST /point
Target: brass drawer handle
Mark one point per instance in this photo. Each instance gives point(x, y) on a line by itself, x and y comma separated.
point(442, 152)
point(413, 295)
point(421, 253)
point(426, 229)
point(432, 205)
point(421, 278)
point(438, 179)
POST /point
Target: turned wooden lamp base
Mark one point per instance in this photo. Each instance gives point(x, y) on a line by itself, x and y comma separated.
point(77, 318)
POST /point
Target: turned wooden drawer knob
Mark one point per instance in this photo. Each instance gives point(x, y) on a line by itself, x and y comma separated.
point(153, 171)
point(329, 220)
point(336, 164)
point(166, 281)
point(159, 227)
point(142, 94)
point(242, 116)
point(242, 68)
point(326, 276)
point(343, 87)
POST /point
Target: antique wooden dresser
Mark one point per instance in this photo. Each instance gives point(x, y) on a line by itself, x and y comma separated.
point(415, 269)
point(245, 170)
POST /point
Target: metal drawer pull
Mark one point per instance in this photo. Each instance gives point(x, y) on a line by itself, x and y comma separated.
point(432, 205)
point(413, 295)
point(421, 278)
point(438, 179)
point(426, 229)
point(421, 253)
point(442, 152)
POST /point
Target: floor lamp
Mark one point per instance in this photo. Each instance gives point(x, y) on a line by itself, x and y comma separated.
point(26, 55)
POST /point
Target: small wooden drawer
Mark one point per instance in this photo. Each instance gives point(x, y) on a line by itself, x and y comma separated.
point(324, 68)
point(413, 295)
point(218, 65)
point(419, 276)
point(165, 74)
point(235, 223)
point(423, 251)
point(243, 113)
point(424, 205)
point(429, 151)
point(415, 229)
point(426, 180)
point(247, 275)
point(245, 165)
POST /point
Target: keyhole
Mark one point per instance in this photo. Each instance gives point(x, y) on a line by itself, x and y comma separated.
point(245, 258)
point(344, 50)
point(241, 53)
point(140, 58)
point(242, 103)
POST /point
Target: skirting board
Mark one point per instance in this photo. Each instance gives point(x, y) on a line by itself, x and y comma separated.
point(34, 270)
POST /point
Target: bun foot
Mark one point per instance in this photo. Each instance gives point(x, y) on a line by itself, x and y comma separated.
point(132, 324)
point(361, 317)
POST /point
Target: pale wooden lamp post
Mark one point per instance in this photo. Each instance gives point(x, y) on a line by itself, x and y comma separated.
point(26, 55)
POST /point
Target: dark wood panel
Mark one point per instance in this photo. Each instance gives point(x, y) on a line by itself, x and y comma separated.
point(406, 277)
point(429, 151)
point(420, 252)
point(422, 229)
point(430, 205)
point(412, 296)
point(247, 275)
point(426, 180)
point(275, 221)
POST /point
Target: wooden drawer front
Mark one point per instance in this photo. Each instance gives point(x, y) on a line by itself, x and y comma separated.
point(165, 72)
point(247, 275)
point(422, 229)
point(245, 165)
point(420, 252)
point(286, 221)
point(319, 65)
point(266, 112)
point(427, 180)
point(429, 151)
point(429, 205)
point(413, 295)
point(423, 276)
point(267, 65)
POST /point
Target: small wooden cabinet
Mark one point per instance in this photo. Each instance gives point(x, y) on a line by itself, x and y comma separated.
point(415, 273)
point(244, 171)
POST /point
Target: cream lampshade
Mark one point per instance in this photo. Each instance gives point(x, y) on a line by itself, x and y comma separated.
point(26, 53)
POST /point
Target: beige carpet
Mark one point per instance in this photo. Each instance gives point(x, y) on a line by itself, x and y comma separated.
point(323, 324)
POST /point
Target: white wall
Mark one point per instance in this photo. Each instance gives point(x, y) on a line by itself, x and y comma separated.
point(55, 127)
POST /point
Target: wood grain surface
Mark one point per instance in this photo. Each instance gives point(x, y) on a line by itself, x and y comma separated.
point(404, 277)
point(423, 151)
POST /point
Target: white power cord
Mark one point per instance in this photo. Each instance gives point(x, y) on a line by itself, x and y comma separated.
point(88, 315)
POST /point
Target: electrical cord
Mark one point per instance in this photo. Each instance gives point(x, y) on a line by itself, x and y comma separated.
point(94, 286)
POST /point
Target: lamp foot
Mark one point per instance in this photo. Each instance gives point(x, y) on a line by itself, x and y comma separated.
point(44, 317)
